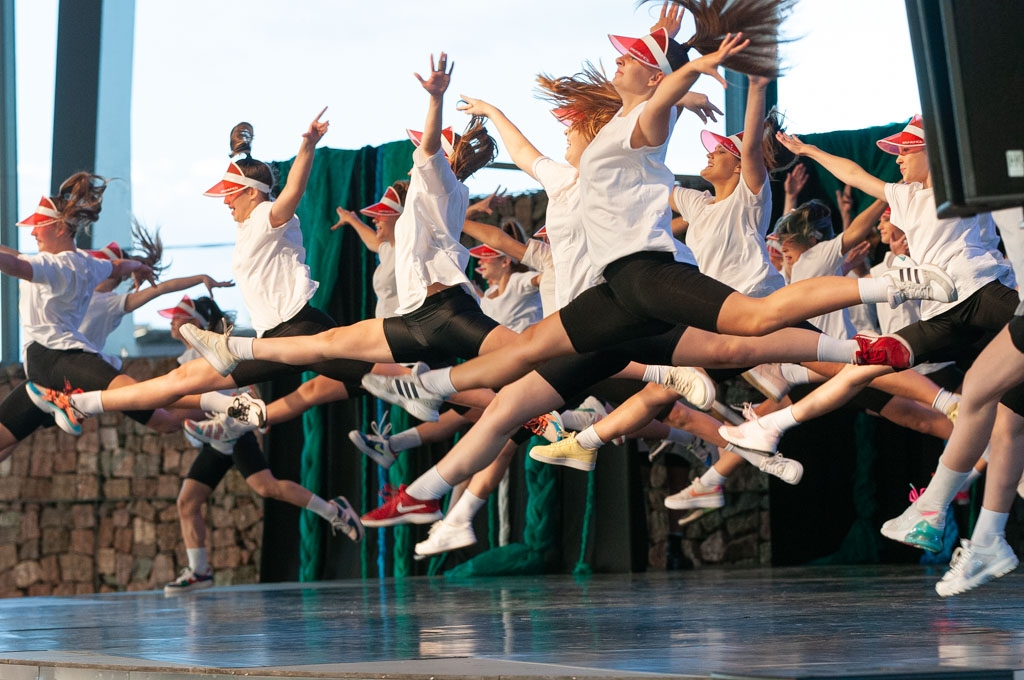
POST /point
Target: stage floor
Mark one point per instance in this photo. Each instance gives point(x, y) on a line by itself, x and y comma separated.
point(781, 623)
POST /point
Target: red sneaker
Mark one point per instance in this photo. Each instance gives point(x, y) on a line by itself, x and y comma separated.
point(883, 350)
point(401, 508)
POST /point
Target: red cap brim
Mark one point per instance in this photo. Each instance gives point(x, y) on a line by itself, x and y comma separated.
point(223, 188)
point(484, 252)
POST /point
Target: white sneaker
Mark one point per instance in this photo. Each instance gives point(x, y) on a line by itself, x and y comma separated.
point(768, 380)
point(407, 392)
point(211, 346)
point(189, 581)
point(920, 529)
point(588, 412)
point(346, 520)
point(444, 537)
point(973, 565)
point(752, 435)
point(919, 282)
point(692, 385)
point(788, 470)
point(248, 409)
point(696, 496)
point(219, 431)
point(376, 444)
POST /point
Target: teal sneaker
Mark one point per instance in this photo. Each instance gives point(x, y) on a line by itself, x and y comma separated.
point(920, 529)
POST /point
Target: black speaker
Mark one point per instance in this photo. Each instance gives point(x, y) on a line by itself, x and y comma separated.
point(969, 58)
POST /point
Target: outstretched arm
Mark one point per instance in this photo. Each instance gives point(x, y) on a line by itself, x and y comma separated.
point(861, 226)
point(141, 297)
point(845, 170)
point(12, 265)
point(138, 271)
point(753, 170)
point(435, 84)
point(495, 238)
point(288, 200)
point(368, 236)
point(523, 153)
point(652, 127)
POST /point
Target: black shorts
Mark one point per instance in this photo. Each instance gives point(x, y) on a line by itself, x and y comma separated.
point(572, 376)
point(449, 324)
point(643, 294)
point(973, 322)
point(1016, 328)
point(210, 465)
point(60, 368)
point(20, 416)
point(308, 321)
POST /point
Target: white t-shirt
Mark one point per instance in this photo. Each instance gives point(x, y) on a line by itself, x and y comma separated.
point(727, 237)
point(518, 307)
point(384, 284)
point(53, 304)
point(955, 245)
point(538, 258)
point(104, 314)
point(574, 271)
point(427, 247)
point(624, 194)
point(825, 259)
point(270, 269)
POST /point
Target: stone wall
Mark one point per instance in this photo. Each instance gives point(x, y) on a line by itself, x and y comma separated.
point(97, 513)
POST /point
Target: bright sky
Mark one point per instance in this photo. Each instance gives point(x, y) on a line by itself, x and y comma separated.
point(201, 67)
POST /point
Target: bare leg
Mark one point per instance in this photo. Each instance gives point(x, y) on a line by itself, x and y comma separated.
point(742, 315)
point(265, 484)
point(914, 416)
point(319, 390)
point(191, 499)
point(1005, 462)
point(711, 350)
point(483, 483)
point(363, 340)
point(192, 378)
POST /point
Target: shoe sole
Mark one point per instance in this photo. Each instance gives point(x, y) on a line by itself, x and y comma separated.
point(411, 518)
point(417, 555)
point(173, 590)
point(562, 462)
point(377, 457)
point(763, 386)
point(939, 275)
point(901, 537)
point(740, 444)
point(206, 352)
point(695, 503)
point(709, 392)
point(414, 407)
point(1002, 569)
point(59, 417)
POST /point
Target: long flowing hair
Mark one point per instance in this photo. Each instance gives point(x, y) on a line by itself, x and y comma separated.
point(589, 95)
point(79, 200)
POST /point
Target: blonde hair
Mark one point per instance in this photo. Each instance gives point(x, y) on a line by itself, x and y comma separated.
point(588, 94)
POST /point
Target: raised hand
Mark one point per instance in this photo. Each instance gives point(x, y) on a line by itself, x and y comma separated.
point(855, 257)
point(345, 217)
point(143, 273)
point(317, 129)
point(474, 107)
point(212, 283)
point(793, 143)
point(487, 205)
point(796, 180)
point(437, 82)
point(699, 103)
point(732, 44)
point(844, 199)
point(671, 19)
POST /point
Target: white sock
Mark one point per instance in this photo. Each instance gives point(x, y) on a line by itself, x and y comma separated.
point(88, 403)
point(681, 436)
point(407, 439)
point(991, 525)
point(588, 439)
point(945, 400)
point(840, 351)
point(465, 510)
point(795, 374)
point(321, 507)
point(429, 486)
point(576, 419)
point(780, 420)
point(972, 476)
point(712, 478)
point(941, 490)
point(241, 348)
point(197, 560)
point(215, 402)
point(655, 374)
point(874, 289)
point(439, 381)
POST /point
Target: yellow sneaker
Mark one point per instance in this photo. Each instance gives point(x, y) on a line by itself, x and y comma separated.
point(566, 452)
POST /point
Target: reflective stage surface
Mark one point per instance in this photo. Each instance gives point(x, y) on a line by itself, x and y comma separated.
point(800, 623)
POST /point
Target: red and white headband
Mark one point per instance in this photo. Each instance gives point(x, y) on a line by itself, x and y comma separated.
point(111, 252)
point(45, 213)
point(234, 180)
point(186, 309)
point(651, 50)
